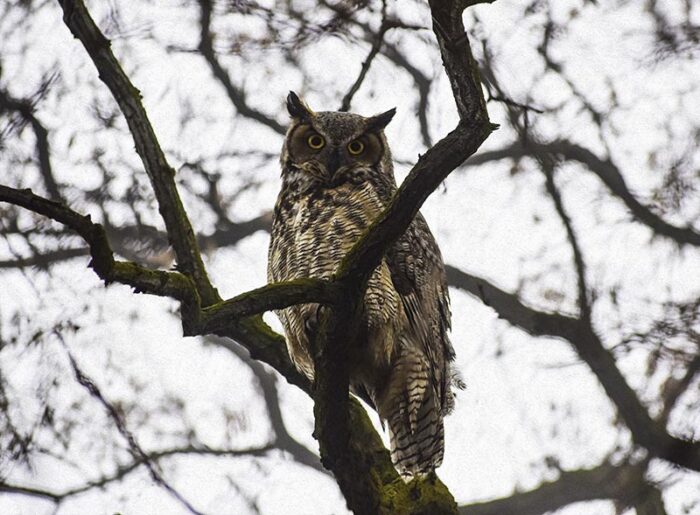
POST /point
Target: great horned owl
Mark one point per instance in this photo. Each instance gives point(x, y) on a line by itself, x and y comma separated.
point(337, 176)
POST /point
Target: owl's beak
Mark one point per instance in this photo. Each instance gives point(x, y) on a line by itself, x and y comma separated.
point(334, 162)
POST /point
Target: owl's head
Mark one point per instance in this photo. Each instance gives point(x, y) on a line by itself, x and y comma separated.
point(330, 146)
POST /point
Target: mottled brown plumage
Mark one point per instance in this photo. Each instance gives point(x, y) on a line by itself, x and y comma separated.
point(337, 176)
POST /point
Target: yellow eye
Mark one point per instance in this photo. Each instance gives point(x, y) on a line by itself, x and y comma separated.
point(315, 141)
point(356, 147)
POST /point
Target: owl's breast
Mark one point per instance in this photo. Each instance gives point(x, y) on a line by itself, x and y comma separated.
point(326, 225)
point(310, 238)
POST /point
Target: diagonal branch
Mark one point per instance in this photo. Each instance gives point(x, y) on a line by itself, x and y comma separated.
point(510, 308)
point(583, 301)
point(26, 111)
point(236, 95)
point(134, 447)
point(646, 431)
point(374, 50)
point(160, 173)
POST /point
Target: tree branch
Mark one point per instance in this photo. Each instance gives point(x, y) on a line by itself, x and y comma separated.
point(160, 173)
point(143, 280)
point(267, 298)
point(134, 447)
point(374, 50)
point(645, 431)
point(236, 95)
point(26, 111)
point(362, 480)
point(510, 308)
point(606, 170)
point(124, 470)
point(583, 301)
point(623, 483)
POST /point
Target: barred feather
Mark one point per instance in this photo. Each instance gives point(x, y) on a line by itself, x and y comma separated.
point(323, 208)
point(412, 409)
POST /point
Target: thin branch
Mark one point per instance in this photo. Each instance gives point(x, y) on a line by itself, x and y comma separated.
point(376, 45)
point(422, 82)
point(87, 383)
point(624, 483)
point(124, 470)
point(26, 111)
point(584, 302)
point(236, 95)
point(45, 259)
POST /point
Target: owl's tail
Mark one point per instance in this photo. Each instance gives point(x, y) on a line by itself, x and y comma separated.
point(412, 409)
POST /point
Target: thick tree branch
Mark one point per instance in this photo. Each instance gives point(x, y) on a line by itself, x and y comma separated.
point(160, 173)
point(267, 298)
point(510, 308)
point(169, 284)
point(362, 480)
point(430, 170)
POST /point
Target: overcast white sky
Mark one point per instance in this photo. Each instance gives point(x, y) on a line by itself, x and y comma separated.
point(526, 398)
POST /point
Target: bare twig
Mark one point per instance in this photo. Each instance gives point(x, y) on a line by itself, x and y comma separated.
point(374, 50)
point(87, 383)
point(584, 303)
point(26, 111)
point(124, 470)
point(236, 95)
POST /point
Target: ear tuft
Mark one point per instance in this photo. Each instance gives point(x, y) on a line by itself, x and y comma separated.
point(297, 107)
point(378, 122)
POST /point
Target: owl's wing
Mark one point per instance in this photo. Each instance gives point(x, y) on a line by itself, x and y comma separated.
point(418, 274)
